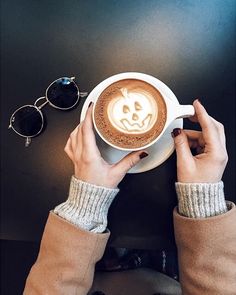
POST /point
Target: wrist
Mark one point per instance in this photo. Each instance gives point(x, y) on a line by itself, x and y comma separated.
point(198, 178)
point(87, 205)
point(94, 177)
point(201, 200)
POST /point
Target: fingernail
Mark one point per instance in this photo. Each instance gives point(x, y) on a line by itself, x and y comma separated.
point(90, 104)
point(176, 132)
point(143, 155)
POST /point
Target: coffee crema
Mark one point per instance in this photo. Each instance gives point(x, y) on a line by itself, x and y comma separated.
point(130, 113)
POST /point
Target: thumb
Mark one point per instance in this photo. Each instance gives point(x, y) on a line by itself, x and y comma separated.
point(183, 152)
point(129, 161)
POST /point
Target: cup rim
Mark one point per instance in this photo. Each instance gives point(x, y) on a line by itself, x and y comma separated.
point(139, 76)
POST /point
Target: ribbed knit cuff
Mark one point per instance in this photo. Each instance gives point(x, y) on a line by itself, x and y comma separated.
point(201, 200)
point(87, 205)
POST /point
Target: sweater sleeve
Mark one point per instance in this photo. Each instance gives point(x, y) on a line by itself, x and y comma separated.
point(201, 200)
point(87, 205)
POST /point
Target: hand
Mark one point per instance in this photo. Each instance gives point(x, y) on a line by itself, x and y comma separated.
point(89, 166)
point(209, 164)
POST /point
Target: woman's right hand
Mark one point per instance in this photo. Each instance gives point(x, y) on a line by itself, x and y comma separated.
point(89, 166)
point(210, 162)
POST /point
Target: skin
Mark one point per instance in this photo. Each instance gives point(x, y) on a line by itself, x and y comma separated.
point(207, 166)
point(89, 166)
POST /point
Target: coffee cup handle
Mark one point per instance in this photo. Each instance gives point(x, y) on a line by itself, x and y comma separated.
point(184, 111)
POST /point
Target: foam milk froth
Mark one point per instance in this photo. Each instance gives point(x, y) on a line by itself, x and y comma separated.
point(130, 113)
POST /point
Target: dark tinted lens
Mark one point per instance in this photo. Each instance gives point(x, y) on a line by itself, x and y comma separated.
point(63, 93)
point(27, 121)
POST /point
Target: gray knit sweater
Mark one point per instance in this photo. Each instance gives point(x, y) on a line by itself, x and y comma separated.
point(87, 205)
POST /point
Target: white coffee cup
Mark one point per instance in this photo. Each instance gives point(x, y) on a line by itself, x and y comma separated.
point(174, 110)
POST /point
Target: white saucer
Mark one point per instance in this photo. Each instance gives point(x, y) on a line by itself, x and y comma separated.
point(158, 152)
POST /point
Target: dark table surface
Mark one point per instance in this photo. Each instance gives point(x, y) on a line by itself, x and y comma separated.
point(189, 45)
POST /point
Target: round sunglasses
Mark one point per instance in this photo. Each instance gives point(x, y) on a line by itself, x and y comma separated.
point(27, 121)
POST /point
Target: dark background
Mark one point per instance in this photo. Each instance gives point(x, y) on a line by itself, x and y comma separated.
point(189, 45)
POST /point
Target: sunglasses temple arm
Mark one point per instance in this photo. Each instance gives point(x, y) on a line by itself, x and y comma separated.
point(83, 94)
point(27, 141)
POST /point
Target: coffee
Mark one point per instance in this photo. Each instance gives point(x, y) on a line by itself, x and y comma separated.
point(130, 113)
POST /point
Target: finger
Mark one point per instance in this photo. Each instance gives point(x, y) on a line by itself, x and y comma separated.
point(195, 136)
point(89, 140)
point(195, 140)
point(206, 123)
point(183, 152)
point(129, 161)
point(218, 125)
point(193, 118)
point(200, 150)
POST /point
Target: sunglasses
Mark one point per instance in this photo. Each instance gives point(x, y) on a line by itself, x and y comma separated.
point(27, 121)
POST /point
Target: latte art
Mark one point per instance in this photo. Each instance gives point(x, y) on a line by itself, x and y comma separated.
point(132, 111)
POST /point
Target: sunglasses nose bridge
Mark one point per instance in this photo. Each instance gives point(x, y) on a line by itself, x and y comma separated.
point(43, 104)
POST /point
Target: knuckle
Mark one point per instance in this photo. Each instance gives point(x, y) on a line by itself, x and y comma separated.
point(180, 140)
point(221, 157)
point(66, 149)
point(226, 159)
point(221, 126)
point(69, 155)
point(131, 162)
point(72, 135)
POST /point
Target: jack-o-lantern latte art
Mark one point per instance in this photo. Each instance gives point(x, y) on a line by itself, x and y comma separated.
point(130, 113)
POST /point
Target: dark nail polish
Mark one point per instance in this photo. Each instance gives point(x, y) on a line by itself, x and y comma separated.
point(176, 132)
point(143, 155)
point(90, 104)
